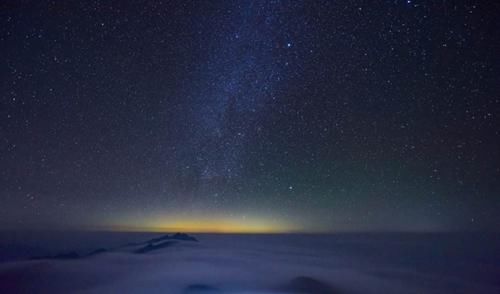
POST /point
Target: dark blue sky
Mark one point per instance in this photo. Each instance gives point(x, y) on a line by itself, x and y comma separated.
point(250, 115)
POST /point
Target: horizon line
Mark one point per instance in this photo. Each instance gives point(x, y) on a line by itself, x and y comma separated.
point(251, 232)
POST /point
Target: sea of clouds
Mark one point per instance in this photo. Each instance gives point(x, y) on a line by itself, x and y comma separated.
point(342, 263)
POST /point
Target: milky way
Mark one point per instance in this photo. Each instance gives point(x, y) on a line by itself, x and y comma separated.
point(246, 64)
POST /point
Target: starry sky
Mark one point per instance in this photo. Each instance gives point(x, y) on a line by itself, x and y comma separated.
point(250, 116)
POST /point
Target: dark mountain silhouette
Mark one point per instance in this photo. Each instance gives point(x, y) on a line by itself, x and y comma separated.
point(158, 239)
point(176, 236)
point(151, 247)
point(147, 246)
point(183, 237)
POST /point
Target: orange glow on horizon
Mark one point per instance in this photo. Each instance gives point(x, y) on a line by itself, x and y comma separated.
point(208, 225)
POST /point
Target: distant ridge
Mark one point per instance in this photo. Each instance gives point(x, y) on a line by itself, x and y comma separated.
point(147, 246)
point(176, 236)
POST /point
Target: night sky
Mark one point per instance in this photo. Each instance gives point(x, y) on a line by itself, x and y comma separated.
point(250, 116)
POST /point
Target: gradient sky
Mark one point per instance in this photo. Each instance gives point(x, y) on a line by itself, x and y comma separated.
point(250, 116)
